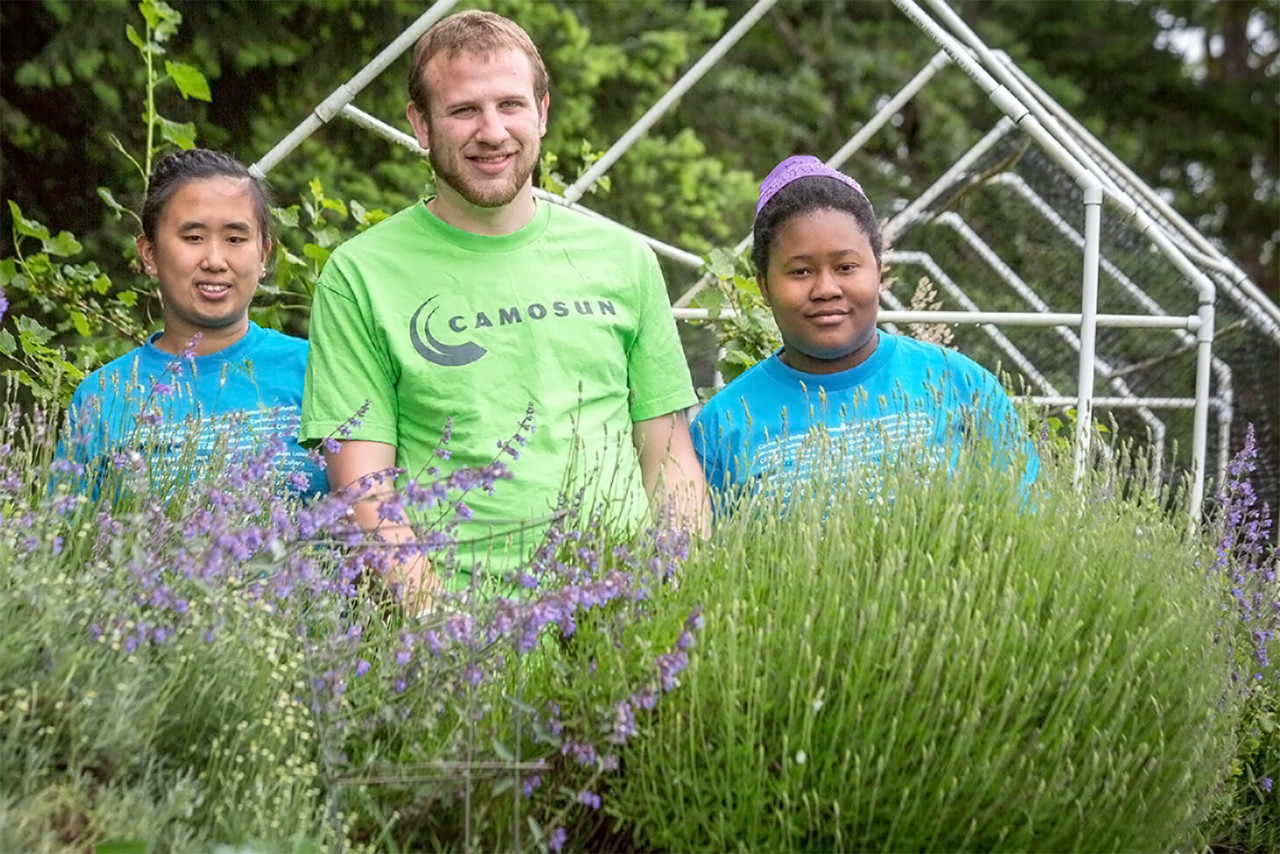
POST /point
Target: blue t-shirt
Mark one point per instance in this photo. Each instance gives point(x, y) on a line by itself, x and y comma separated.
point(773, 423)
point(229, 401)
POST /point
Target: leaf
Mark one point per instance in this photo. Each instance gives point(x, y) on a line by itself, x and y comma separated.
point(373, 217)
point(129, 298)
point(182, 135)
point(190, 81)
point(149, 13)
point(27, 227)
point(288, 217)
point(116, 208)
point(334, 205)
point(721, 263)
point(8, 270)
point(101, 284)
point(64, 244)
point(747, 284)
point(503, 752)
point(8, 346)
point(37, 266)
point(134, 38)
point(709, 298)
point(31, 330)
point(327, 236)
point(80, 322)
point(316, 253)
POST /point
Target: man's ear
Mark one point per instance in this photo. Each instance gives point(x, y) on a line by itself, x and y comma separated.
point(146, 254)
point(418, 122)
point(542, 112)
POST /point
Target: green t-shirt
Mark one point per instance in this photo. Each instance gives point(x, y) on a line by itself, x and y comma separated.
point(427, 322)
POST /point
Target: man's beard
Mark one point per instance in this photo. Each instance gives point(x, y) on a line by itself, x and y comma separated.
point(486, 194)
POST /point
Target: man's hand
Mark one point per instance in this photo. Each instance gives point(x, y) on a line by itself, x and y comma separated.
point(671, 472)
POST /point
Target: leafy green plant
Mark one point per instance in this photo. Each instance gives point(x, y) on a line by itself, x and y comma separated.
point(81, 298)
point(737, 315)
point(160, 24)
point(551, 180)
point(319, 224)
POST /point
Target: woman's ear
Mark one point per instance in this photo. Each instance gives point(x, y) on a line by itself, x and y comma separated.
point(146, 254)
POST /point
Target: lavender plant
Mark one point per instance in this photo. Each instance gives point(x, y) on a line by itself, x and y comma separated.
point(949, 669)
point(202, 660)
point(1248, 816)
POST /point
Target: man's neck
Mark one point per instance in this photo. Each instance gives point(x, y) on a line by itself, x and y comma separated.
point(451, 208)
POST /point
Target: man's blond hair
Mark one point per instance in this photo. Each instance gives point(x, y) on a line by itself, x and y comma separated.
point(473, 32)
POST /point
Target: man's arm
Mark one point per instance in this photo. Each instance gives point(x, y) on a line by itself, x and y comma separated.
point(672, 476)
point(355, 461)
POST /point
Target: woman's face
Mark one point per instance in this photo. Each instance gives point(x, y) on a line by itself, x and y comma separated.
point(823, 285)
point(209, 253)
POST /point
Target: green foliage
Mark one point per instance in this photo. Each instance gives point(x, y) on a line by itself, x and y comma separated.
point(161, 24)
point(79, 296)
point(742, 323)
point(52, 300)
point(944, 670)
point(319, 224)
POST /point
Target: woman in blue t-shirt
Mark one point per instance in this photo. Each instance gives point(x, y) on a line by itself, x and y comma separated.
point(211, 381)
point(840, 395)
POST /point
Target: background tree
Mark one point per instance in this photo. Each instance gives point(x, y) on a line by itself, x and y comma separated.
point(1182, 90)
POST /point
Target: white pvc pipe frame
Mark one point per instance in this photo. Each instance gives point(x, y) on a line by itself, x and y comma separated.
point(1012, 98)
point(1025, 111)
point(915, 211)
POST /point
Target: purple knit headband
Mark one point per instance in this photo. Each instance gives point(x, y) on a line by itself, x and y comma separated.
point(800, 166)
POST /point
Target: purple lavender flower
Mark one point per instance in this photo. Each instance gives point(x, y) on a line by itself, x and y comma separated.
point(557, 838)
point(624, 722)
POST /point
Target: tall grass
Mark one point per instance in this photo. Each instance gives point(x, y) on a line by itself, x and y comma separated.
point(949, 666)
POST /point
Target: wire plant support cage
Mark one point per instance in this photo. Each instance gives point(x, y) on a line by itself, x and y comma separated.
point(1109, 301)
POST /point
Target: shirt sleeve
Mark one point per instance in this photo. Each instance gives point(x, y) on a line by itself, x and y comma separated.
point(657, 371)
point(349, 391)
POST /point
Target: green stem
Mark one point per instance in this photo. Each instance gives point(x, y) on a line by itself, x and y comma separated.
point(151, 107)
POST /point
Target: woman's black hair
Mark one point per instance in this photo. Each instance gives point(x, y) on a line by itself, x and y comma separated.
point(197, 164)
point(801, 196)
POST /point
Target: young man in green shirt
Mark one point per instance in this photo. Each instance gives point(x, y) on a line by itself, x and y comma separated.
point(478, 305)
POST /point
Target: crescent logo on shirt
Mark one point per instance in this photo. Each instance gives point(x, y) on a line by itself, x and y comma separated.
point(431, 348)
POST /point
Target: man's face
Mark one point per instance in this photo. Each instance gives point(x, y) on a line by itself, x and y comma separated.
point(483, 129)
